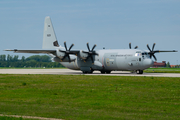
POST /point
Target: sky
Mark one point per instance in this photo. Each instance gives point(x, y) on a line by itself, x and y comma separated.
point(112, 24)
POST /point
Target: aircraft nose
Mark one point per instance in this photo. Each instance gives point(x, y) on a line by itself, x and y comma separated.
point(148, 63)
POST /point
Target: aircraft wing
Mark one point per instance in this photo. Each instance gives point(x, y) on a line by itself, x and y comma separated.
point(41, 51)
point(156, 51)
point(32, 51)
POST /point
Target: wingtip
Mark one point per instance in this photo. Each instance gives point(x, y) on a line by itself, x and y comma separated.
point(7, 50)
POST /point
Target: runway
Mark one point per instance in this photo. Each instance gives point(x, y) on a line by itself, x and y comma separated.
point(73, 72)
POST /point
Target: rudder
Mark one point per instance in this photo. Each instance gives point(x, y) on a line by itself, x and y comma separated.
point(49, 36)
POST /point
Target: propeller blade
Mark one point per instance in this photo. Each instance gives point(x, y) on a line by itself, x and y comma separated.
point(93, 47)
point(64, 57)
point(129, 45)
point(149, 48)
point(136, 47)
point(92, 59)
point(88, 46)
point(154, 57)
point(65, 45)
point(69, 58)
point(153, 46)
point(71, 47)
point(150, 55)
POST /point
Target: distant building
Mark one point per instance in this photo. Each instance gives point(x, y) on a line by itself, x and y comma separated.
point(158, 64)
point(173, 66)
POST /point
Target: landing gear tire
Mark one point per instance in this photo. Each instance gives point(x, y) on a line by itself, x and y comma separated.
point(107, 72)
point(102, 72)
point(139, 71)
point(86, 72)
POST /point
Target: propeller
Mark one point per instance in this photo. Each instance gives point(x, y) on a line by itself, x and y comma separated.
point(67, 52)
point(152, 52)
point(90, 53)
point(134, 47)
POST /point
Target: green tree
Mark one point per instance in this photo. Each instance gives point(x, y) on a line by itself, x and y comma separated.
point(2, 57)
point(43, 58)
point(168, 65)
point(9, 58)
point(15, 58)
point(23, 59)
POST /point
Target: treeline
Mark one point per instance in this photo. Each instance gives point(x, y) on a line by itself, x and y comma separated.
point(32, 61)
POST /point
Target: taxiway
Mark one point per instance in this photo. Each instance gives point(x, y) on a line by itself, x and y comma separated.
point(73, 72)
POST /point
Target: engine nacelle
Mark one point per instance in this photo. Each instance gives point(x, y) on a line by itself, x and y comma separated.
point(83, 55)
point(60, 54)
point(56, 59)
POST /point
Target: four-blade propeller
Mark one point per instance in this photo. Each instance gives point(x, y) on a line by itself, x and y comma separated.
point(67, 52)
point(90, 53)
point(134, 47)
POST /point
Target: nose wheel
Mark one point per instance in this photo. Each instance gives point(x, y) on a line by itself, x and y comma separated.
point(139, 71)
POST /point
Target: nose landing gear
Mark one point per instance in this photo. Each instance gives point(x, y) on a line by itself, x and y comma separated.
point(139, 71)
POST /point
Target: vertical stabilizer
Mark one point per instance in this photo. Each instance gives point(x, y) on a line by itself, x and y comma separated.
point(49, 36)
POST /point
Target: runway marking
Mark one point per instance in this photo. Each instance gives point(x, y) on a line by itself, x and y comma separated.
point(30, 117)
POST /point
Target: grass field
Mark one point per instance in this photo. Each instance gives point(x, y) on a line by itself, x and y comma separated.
point(90, 97)
point(162, 70)
point(10, 118)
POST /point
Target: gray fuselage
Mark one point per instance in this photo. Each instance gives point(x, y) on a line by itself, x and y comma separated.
point(113, 60)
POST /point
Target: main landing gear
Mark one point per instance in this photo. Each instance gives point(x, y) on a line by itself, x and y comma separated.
point(87, 72)
point(139, 71)
point(107, 72)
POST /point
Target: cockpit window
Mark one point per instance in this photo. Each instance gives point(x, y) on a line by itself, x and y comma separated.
point(145, 54)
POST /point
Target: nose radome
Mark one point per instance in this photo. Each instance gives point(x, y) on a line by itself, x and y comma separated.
point(148, 62)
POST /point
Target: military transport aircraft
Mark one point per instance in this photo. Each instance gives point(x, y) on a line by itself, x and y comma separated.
point(90, 60)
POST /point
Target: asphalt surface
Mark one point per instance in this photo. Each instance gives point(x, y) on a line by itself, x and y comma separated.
point(73, 72)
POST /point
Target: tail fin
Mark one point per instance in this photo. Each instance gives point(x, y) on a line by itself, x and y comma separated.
point(49, 36)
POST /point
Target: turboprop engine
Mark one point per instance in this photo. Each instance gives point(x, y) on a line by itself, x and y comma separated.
point(60, 54)
point(64, 55)
point(88, 54)
point(83, 55)
point(57, 59)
